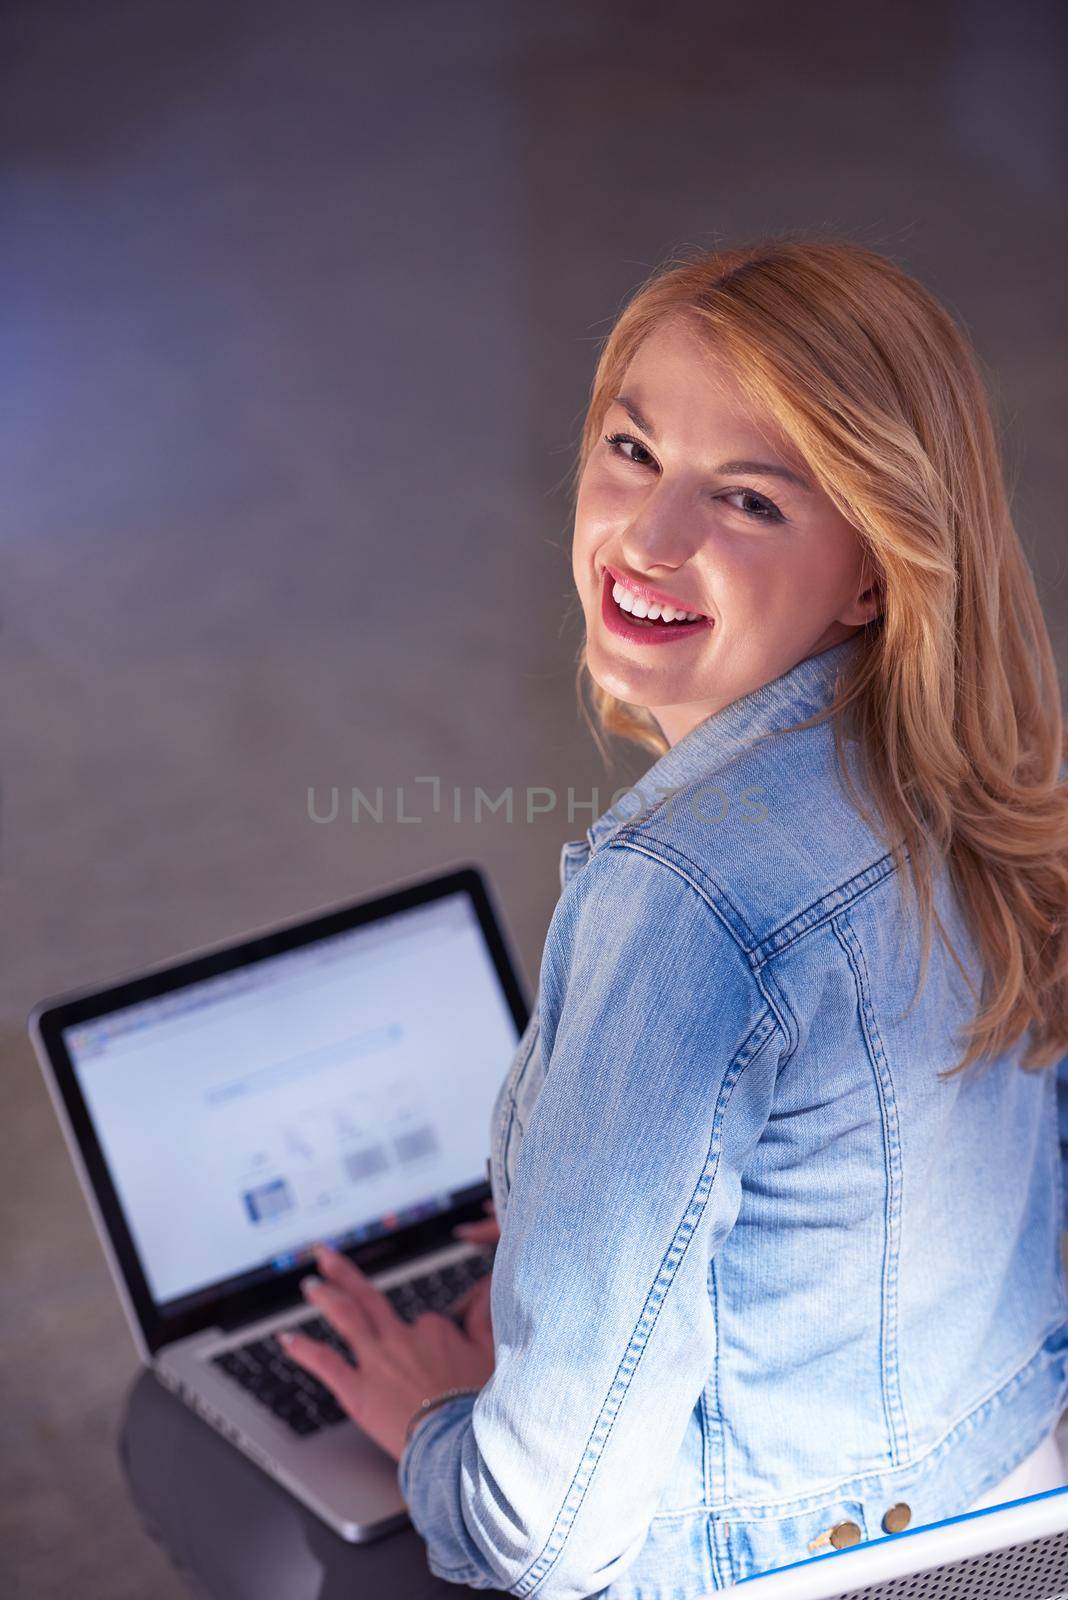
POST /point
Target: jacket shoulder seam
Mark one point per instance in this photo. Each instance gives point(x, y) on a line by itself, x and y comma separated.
point(713, 893)
point(797, 925)
point(722, 908)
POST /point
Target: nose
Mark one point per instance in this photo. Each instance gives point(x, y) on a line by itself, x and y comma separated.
point(662, 538)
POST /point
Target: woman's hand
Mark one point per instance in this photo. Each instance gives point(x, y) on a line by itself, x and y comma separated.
point(399, 1364)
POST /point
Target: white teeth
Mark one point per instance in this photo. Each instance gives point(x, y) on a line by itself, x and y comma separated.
point(627, 600)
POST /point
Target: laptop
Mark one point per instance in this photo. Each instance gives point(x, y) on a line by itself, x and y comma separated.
point(330, 1079)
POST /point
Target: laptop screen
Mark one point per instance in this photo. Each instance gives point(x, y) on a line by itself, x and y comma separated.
point(338, 1091)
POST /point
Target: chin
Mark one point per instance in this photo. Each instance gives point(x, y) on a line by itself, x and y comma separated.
point(621, 685)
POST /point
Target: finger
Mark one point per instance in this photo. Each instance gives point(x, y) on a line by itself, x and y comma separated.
point(462, 1306)
point(344, 1274)
point(462, 1301)
point(482, 1232)
point(341, 1311)
point(324, 1363)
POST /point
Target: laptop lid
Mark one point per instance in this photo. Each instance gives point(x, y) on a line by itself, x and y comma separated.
point(331, 1078)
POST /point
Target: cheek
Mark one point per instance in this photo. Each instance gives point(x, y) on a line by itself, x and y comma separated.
point(606, 502)
point(768, 583)
point(598, 517)
point(757, 569)
point(835, 548)
point(812, 566)
point(583, 545)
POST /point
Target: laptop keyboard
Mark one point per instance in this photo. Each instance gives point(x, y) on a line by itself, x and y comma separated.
point(293, 1394)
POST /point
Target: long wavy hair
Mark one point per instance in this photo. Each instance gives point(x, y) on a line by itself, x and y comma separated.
point(955, 700)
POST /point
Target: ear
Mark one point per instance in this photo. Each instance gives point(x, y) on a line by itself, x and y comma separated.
point(870, 599)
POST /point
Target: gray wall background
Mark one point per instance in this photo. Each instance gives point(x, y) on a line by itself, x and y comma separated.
point(299, 307)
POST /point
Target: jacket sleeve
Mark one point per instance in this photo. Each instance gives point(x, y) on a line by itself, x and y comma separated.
point(661, 1055)
point(1062, 1131)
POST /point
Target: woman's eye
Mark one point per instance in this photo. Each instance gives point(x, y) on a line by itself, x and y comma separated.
point(758, 506)
point(615, 443)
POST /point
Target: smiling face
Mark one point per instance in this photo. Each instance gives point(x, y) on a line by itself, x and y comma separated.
point(700, 501)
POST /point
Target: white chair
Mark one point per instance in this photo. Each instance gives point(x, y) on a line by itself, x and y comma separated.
point(1018, 1551)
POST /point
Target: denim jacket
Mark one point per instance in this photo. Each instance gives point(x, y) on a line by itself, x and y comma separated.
point(761, 1272)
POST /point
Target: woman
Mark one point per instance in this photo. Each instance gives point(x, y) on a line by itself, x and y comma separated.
point(776, 1163)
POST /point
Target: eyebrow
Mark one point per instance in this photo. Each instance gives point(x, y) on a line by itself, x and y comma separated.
point(767, 469)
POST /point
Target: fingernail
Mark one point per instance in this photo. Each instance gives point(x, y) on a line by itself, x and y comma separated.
point(311, 1282)
point(286, 1339)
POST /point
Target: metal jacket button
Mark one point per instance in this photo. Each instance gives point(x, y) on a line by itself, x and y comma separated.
point(843, 1534)
point(897, 1518)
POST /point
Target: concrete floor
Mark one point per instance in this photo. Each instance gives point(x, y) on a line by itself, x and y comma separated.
point(299, 309)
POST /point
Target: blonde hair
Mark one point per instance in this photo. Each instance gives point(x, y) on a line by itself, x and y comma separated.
point(955, 698)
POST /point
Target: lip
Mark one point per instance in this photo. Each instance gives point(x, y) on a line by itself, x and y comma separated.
point(646, 590)
point(616, 621)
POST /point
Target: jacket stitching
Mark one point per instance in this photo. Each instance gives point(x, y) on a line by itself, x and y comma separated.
point(844, 1488)
point(518, 1066)
point(762, 1031)
point(767, 980)
point(827, 907)
point(775, 1003)
point(572, 859)
point(893, 1402)
point(815, 915)
point(720, 1468)
point(518, 1078)
point(715, 895)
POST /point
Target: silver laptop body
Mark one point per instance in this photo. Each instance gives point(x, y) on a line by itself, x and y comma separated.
point(329, 1079)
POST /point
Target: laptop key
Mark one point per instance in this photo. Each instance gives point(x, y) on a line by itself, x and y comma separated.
point(435, 1291)
point(295, 1396)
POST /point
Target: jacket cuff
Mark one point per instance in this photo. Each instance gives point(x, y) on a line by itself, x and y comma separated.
point(435, 1426)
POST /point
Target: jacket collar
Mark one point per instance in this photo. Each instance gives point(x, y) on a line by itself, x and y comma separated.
point(807, 688)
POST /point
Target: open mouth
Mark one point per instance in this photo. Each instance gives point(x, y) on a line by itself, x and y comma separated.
point(621, 619)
